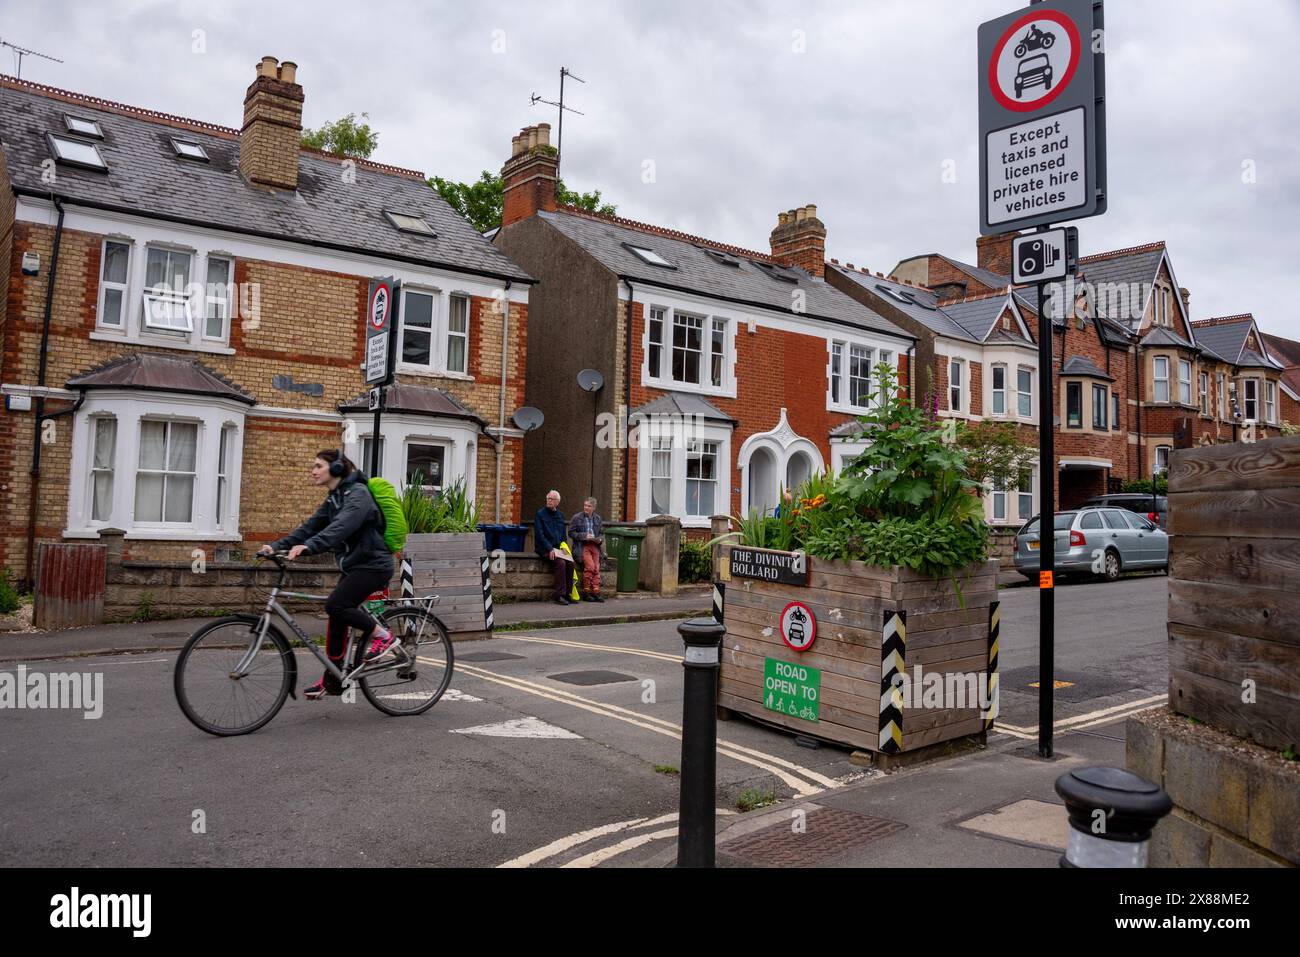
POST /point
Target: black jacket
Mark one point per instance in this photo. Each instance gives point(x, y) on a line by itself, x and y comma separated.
point(349, 524)
point(548, 530)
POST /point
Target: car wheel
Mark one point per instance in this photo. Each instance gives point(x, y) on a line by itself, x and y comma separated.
point(1112, 567)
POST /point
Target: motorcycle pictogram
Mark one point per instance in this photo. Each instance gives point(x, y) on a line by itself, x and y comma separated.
point(1035, 39)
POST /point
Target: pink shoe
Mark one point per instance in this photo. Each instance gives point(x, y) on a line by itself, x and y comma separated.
point(383, 641)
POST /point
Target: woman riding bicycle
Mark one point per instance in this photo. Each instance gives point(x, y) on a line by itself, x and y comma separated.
point(347, 523)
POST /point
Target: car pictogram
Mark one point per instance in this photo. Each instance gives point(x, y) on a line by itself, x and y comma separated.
point(1034, 71)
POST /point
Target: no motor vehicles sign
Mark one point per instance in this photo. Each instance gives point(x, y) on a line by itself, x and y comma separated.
point(1042, 127)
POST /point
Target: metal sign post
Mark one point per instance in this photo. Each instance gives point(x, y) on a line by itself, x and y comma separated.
point(380, 326)
point(1046, 528)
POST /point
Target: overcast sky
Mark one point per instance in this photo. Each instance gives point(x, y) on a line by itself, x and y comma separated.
point(749, 108)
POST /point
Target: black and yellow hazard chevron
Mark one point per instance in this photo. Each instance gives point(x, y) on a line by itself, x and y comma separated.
point(995, 626)
point(893, 665)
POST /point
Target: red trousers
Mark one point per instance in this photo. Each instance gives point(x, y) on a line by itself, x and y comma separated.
point(590, 568)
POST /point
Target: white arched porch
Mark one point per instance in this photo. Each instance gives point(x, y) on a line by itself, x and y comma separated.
point(772, 460)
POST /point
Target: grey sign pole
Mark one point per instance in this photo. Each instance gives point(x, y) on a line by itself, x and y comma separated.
point(381, 318)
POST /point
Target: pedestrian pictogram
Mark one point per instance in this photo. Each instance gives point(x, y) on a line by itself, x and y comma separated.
point(798, 626)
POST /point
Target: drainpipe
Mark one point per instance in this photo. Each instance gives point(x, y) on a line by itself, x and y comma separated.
point(911, 373)
point(40, 417)
point(1137, 375)
point(501, 414)
point(627, 396)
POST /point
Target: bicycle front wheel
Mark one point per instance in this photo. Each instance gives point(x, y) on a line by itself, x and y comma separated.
point(216, 693)
point(417, 673)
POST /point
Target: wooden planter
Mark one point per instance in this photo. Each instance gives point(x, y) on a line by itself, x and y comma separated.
point(872, 624)
point(455, 567)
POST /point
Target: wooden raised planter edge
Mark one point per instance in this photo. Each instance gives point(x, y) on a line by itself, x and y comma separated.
point(454, 564)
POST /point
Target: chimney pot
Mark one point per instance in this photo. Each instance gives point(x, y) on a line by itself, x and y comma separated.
point(532, 137)
point(267, 66)
point(269, 137)
point(800, 215)
point(812, 211)
point(289, 71)
point(782, 218)
point(528, 176)
point(543, 134)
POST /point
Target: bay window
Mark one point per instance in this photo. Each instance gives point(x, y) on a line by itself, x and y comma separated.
point(223, 474)
point(164, 482)
point(1162, 459)
point(1184, 382)
point(1251, 391)
point(701, 477)
point(1205, 393)
point(103, 457)
point(1270, 401)
point(1099, 403)
point(1160, 378)
point(1114, 419)
point(1074, 405)
point(426, 462)
point(661, 475)
point(1025, 494)
point(683, 470)
point(999, 390)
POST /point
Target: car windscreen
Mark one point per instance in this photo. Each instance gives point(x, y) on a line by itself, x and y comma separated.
point(1062, 523)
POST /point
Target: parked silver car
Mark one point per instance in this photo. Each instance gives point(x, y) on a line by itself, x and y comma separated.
point(1095, 541)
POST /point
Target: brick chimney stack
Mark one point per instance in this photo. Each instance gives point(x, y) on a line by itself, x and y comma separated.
point(268, 140)
point(994, 252)
point(799, 239)
point(529, 176)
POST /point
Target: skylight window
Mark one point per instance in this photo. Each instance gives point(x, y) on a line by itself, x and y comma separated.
point(189, 150)
point(409, 224)
point(719, 256)
point(83, 127)
point(76, 152)
point(903, 297)
point(648, 256)
point(779, 273)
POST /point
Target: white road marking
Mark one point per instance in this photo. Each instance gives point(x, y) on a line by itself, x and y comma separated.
point(583, 644)
point(605, 853)
point(529, 727)
point(726, 748)
point(451, 694)
point(560, 845)
point(62, 663)
point(1091, 718)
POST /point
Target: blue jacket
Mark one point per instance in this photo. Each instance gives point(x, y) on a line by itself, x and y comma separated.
point(349, 524)
point(549, 530)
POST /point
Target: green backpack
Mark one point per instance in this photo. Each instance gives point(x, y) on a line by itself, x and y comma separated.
point(390, 507)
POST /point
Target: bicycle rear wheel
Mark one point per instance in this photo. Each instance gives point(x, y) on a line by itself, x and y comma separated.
point(419, 670)
point(217, 699)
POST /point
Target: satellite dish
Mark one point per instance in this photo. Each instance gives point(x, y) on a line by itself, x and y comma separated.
point(590, 380)
point(528, 418)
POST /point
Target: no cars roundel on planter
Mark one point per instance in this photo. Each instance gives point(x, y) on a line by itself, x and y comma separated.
point(1034, 61)
point(798, 626)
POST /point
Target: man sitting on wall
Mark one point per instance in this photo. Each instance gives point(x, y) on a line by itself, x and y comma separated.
point(587, 532)
point(548, 535)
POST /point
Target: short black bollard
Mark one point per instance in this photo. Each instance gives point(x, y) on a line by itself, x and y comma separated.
point(1112, 814)
point(696, 828)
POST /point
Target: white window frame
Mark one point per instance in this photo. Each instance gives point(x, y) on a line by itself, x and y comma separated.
point(997, 394)
point(172, 423)
point(1162, 453)
point(687, 322)
point(656, 320)
point(452, 334)
point(435, 297)
point(1184, 384)
point(111, 468)
point(402, 429)
point(1027, 395)
point(840, 370)
point(717, 328)
point(1023, 514)
point(835, 374)
point(866, 377)
point(679, 436)
point(222, 301)
point(1221, 384)
point(124, 287)
point(437, 443)
point(697, 449)
point(958, 364)
point(1270, 401)
point(225, 441)
point(173, 297)
point(1249, 398)
point(1157, 379)
point(130, 408)
point(665, 315)
point(1203, 381)
point(1003, 497)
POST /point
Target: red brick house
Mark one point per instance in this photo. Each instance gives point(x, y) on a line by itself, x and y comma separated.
point(741, 371)
point(180, 320)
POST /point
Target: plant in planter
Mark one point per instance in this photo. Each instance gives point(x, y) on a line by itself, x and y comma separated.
point(448, 510)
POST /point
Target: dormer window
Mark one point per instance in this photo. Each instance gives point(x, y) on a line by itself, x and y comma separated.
point(83, 127)
point(723, 258)
point(409, 224)
point(189, 150)
point(76, 152)
point(649, 256)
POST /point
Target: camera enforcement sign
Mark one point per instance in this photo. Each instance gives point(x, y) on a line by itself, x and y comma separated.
point(381, 320)
point(1045, 255)
point(1041, 116)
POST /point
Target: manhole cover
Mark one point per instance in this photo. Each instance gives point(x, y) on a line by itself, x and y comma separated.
point(829, 833)
point(488, 656)
point(591, 677)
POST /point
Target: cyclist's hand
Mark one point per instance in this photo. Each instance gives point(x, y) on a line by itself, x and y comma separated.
point(266, 550)
point(295, 552)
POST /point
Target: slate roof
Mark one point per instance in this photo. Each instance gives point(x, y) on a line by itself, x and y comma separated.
point(421, 399)
point(1082, 365)
point(158, 373)
point(987, 277)
point(1288, 352)
point(849, 430)
point(976, 316)
point(1226, 339)
point(1251, 358)
point(1160, 336)
point(146, 178)
point(1127, 269)
point(699, 272)
point(920, 303)
point(682, 403)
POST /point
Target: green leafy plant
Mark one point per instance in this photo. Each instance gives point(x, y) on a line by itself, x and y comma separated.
point(9, 601)
point(344, 137)
point(1144, 485)
point(145, 608)
point(694, 562)
point(481, 201)
point(667, 769)
point(448, 510)
point(751, 799)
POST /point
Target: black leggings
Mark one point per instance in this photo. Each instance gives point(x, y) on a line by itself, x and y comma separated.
point(343, 607)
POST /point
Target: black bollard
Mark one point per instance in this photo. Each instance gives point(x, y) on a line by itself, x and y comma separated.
point(695, 822)
point(1112, 814)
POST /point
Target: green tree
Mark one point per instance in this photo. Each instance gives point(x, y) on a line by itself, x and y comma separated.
point(344, 137)
point(480, 202)
point(994, 453)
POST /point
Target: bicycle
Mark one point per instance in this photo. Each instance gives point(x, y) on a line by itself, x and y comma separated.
point(235, 674)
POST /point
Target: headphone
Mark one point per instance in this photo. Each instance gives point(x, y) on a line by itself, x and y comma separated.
point(338, 468)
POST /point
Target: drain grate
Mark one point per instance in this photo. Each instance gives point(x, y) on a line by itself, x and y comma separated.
point(489, 656)
point(587, 678)
point(830, 832)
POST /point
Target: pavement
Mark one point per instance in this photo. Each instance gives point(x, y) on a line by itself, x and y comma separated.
point(560, 747)
point(170, 634)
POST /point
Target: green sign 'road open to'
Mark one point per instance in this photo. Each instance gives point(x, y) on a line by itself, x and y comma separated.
point(794, 690)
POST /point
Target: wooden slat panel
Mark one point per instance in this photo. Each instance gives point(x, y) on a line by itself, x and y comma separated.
point(849, 704)
point(1269, 613)
point(1274, 463)
point(1273, 665)
point(828, 730)
point(828, 712)
point(70, 585)
point(1266, 513)
point(1253, 562)
point(947, 732)
point(831, 655)
point(955, 652)
point(1271, 721)
point(837, 633)
point(766, 597)
point(749, 664)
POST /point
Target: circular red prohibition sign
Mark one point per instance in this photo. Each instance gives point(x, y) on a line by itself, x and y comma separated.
point(802, 629)
point(1060, 85)
point(379, 306)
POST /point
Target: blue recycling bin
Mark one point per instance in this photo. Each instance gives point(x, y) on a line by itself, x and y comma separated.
point(510, 538)
point(491, 536)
